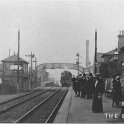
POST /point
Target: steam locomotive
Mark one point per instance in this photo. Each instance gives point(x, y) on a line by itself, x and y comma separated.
point(66, 77)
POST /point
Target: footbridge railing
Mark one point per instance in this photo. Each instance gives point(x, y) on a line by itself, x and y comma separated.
point(60, 66)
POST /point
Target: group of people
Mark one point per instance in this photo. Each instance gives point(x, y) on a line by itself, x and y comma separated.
point(89, 87)
point(83, 86)
point(117, 90)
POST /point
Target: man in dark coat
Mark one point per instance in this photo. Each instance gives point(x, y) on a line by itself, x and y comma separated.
point(97, 95)
point(113, 91)
point(117, 95)
point(83, 86)
point(90, 86)
point(77, 86)
point(74, 85)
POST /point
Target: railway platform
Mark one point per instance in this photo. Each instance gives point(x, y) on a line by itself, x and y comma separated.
point(79, 110)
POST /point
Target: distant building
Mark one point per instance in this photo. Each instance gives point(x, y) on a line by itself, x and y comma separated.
point(109, 56)
point(43, 76)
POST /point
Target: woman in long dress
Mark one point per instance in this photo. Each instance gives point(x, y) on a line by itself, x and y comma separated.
point(97, 95)
point(118, 91)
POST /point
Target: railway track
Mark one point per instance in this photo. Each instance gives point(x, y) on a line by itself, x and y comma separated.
point(8, 100)
point(6, 105)
point(14, 109)
point(46, 110)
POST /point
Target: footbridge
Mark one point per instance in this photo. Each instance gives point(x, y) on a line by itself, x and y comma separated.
point(43, 66)
point(42, 74)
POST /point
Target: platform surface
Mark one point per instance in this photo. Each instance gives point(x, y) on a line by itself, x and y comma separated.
point(79, 110)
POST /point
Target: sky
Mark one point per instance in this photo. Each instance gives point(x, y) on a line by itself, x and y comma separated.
point(56, 30)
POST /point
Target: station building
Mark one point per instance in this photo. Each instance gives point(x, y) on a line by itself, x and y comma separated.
point(117, 55)
point(112, 56)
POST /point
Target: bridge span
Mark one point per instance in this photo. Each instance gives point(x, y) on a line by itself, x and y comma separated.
point(60, 66)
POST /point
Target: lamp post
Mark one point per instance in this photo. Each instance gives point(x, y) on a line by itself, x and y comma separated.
point(35, 69)
point(116, 54)
point(18, 61)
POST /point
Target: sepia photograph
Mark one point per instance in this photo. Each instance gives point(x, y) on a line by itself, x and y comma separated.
point(61, 61)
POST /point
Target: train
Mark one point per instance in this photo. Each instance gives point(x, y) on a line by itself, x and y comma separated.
point(65, 80)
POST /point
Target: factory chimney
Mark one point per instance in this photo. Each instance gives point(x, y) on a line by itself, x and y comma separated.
point(87, 53)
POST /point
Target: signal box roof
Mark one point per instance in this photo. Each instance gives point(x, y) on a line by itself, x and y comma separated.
point(14, 58)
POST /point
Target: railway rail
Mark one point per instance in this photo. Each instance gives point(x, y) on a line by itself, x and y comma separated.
point(8, 100)
point(7, 105)
point(11, 111)
point(46, 110)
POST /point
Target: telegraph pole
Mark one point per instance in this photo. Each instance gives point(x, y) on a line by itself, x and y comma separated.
point(31, 70)
point(95, 52)
point(35, 69)
point(18, 61)
point(35, 62)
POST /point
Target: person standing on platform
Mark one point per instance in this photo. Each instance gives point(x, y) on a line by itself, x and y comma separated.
point(90, 86)
point(83, 86)
point(87, 87)
point(113, 90)
point(98, 91)
point(74, 85)
point(80, 83)
point(118, 90)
